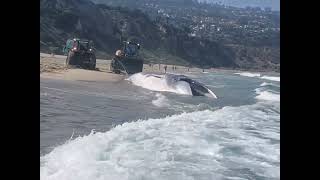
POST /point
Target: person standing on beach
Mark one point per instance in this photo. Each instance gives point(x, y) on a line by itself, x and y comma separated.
point(165, 68)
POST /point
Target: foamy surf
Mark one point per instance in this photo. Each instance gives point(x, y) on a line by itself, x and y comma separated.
point(271, 78)
point(161, 101)
point(258, 75)
point(230, 143)
point(249, 74)
point(267, 95)
point(269, 84)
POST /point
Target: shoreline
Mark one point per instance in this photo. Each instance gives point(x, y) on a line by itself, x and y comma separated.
point(53, 66)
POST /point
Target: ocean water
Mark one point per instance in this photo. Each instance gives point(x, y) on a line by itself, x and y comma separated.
point(91, 130)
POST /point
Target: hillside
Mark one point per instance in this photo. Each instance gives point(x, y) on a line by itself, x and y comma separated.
point(161, 42)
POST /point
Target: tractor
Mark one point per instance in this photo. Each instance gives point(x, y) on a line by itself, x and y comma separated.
point(80, 53)
point(128, 59)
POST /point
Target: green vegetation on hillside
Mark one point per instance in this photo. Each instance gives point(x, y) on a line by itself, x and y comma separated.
point(163, 40)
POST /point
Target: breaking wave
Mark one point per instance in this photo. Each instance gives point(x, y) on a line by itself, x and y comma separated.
point(229, 143)
point(269, 84)
point(267, 95)
point(271, 78)
point(248, 74)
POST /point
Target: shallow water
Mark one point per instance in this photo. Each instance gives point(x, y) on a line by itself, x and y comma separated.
point(144, 134)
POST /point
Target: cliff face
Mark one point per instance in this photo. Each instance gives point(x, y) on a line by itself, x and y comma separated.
point(161, 43)
point(63, 19)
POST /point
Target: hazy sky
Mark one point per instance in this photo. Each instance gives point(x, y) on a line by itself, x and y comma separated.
point(274, 4)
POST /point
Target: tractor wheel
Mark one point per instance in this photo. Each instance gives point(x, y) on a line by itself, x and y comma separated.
point(93, 62)
point(67, 62)
point(71, 59)
point(112, 66)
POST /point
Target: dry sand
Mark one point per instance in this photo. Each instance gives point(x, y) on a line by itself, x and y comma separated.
point(53, 67)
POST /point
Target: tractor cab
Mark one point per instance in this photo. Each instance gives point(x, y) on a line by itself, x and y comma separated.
point(131, 49)
point(80, 53)
point(78, 45)
point(128, 59)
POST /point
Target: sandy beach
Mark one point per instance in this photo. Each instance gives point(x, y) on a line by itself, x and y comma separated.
point(53, 66)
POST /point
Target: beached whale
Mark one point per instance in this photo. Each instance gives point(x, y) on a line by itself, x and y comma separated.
point(180, 84)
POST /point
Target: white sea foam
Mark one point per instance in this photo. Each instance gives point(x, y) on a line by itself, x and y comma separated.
point(249, 74)
point(268, 84)
point(221, 144)
point(161, 101)
point(267, 95)
point(271, 78)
